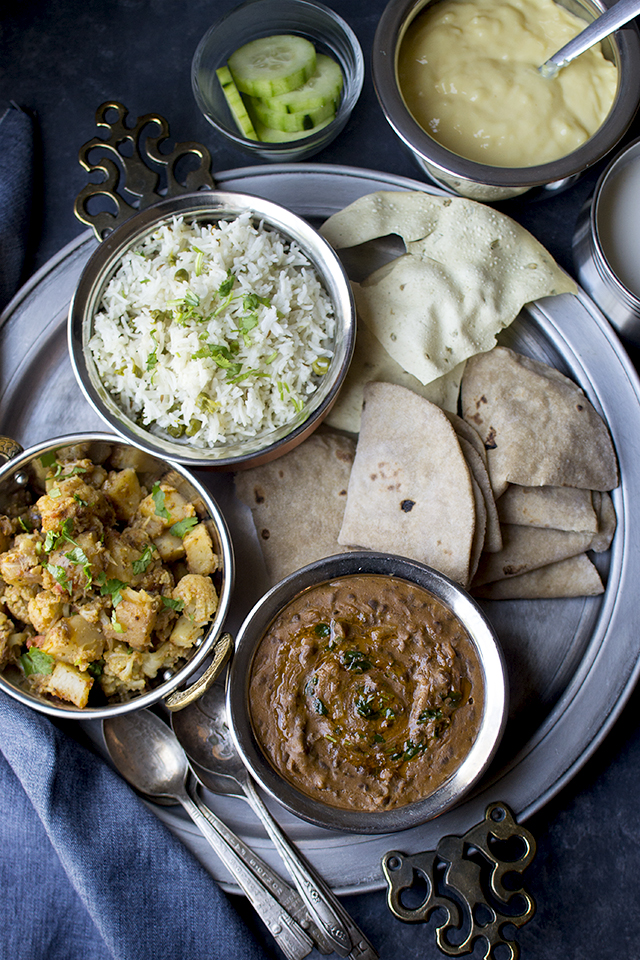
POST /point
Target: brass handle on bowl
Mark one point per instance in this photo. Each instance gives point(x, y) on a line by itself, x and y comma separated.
point(222, 651)
point(9, 449)
point(134, 163)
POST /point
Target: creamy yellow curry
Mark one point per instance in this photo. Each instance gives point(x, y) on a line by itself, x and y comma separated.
point(467, 70)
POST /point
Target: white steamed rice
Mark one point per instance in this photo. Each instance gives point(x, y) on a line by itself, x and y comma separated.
point(207, 367)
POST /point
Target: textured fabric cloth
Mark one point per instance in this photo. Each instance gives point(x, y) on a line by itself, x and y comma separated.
point(88, 872)
point(16, 174)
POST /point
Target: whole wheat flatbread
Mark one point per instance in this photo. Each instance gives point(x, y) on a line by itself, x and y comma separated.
point(492, 532)
point(561, 508)
point(538, 427)
point(573, 577)
point(528, 548)
point(410, 490)
point(298, 502)
point(607, 521)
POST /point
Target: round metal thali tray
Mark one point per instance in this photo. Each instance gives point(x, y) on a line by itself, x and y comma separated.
point(572, 663)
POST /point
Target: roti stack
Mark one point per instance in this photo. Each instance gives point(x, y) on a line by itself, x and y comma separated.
point(511, 498)
point(550, 461)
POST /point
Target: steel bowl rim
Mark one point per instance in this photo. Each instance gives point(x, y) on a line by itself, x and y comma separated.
point(215, 204)
point(187, 671)
point(495, 708)
point(394, 20)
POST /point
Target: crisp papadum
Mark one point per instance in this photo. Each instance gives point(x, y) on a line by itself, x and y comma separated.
point(410, 489)
point(298, 502)
point(467, 273)
point(537, 425)
point(574, 577)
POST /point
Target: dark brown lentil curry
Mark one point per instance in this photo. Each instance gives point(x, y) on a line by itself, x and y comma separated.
point(366, 692)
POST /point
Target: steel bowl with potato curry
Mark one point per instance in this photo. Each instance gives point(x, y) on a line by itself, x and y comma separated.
point(105, 583)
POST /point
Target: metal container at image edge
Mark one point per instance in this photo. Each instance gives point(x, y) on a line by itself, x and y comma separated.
point(18, 471)
point(481, 635)
point(490, 183)
point(619, 304)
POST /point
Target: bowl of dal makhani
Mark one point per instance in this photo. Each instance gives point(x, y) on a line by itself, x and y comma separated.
point(458, 82)
point(367, 692)
point(213, 329)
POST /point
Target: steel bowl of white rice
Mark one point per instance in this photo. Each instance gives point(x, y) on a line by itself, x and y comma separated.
point(214, 329)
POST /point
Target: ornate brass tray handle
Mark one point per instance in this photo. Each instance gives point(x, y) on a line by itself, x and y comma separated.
point(465, 876)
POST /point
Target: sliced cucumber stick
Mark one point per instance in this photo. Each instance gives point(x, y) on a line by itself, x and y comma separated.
point(270, 66)
point(268, 135)
point(323, 87)
point(236, 104)
point(289, 122)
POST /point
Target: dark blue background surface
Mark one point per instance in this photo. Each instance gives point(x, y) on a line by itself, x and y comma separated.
point(60, 59)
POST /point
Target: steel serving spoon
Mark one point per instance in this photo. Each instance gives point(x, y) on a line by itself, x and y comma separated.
point(203, 731)
point(148, 755)
point(615, 17)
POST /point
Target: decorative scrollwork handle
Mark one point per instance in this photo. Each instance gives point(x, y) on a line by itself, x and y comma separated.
point(134, 151)
point(9, 449)
point(468, 872)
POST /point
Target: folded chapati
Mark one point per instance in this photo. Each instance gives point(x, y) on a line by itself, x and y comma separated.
point(607, 521)
point(467, 273)
point(410, 489)
point(560, 508)
point(298, 502)
point(573, 577)
point(492, 540)
point(528, 548)
point(538, 427)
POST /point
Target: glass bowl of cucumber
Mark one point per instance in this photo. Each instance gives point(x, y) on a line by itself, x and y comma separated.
point(278, 78)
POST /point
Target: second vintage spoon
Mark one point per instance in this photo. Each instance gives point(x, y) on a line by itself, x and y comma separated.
point(203, 732)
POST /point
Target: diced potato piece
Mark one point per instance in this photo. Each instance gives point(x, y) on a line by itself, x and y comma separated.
point(119, 558)
point(44, 609)
point(21, 565)
point(175, 505)
point(69, 683)
point(199, 549)
point(169, 547)
point(7, 630)
point(75, 500)
point(74, 640)
point(123, 457)
point(122, 488)
point(136, 613)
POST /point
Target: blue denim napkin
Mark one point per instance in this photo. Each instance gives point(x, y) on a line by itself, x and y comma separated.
point(88, 872)
point(16, 181)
